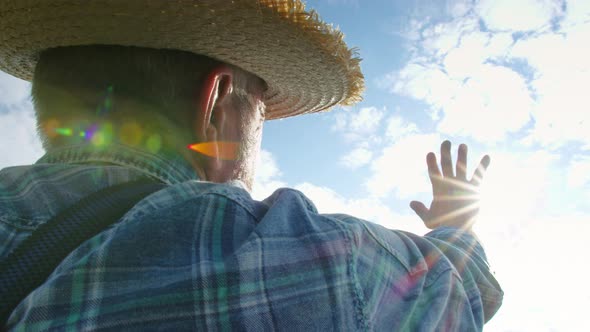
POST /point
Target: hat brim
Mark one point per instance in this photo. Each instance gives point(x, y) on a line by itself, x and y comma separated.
point(305, 63)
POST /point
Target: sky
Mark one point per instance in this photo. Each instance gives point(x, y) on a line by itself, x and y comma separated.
point(506, 77)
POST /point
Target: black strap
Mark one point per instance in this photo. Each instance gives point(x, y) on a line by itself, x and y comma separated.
point(29, 264)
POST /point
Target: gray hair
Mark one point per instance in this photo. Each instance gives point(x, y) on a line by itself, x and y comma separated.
point(83, 84)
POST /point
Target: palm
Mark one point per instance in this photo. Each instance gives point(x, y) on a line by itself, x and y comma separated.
point(455, 198)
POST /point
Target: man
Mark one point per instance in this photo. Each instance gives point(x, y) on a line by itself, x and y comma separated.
point(121, 88)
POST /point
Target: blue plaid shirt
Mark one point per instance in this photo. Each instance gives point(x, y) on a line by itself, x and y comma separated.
point(204, 256)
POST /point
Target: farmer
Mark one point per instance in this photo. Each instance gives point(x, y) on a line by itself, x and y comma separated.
point(120, 226)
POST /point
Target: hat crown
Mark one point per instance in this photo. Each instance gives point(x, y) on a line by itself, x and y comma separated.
point(303, 60)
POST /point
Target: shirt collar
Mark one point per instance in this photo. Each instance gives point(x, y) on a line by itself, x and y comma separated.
point(168, 167)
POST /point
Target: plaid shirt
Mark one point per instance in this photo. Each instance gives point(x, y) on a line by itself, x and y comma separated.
point(204, 256)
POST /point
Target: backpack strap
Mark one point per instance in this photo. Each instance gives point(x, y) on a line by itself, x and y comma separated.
point(28, 265)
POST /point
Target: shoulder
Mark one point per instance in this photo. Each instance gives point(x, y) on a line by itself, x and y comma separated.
point(31, 195)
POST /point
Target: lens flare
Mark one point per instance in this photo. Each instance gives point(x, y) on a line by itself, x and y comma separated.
point(50, 128)
point(89, 133)
point(98, 140)
point(64, 131)
point(154, 143)
point(107, 103)
point(222, 150)
point(131, 133)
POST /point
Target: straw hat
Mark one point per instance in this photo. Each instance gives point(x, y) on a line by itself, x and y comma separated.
point(304, 61)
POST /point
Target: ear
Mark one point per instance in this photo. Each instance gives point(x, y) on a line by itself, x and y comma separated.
point(211, 116)
point(217, 86)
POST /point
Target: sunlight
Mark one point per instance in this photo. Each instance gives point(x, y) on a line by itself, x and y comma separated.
point(515, 184)
point(222, 150)
point(535, 257)
point(512, 193)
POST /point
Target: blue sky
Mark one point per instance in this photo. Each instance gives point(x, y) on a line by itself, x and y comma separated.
point(506, 77)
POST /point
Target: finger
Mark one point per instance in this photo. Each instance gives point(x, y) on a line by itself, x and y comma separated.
point(433, 171)
point(445, 159)
point(481, 169)
point(461, 169)
point(420, 209)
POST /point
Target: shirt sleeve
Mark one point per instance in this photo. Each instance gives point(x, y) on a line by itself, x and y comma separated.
point(440, 281)
point(465, 251)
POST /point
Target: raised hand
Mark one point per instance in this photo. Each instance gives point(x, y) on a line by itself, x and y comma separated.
point(455, 199)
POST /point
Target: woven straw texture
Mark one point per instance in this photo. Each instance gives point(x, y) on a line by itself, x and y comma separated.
point(304, 61)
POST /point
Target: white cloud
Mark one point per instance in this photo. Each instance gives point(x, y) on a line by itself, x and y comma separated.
point(473, 51)
point(465, 59)
point(477, 99)
point(370, 209)
point(268, 176)
point(13, 90)
point(527, 260)
point(397, 128)
point(490, 104)
point(401, 167)
point(440, 38)
point(487, 84)
point(373, 209)
point(266, 168)
point(562, 75)
point(425, 82)
point(516, 187)
point(459, 8)
point(521, 15)
point(361, 129)
point(357, 157)
point(578, 175)
point(359, 125)
point(499, 44)
point(577, 12)
point(554, 53)
point(20, 144)
point(520, 235)
point(340, 120)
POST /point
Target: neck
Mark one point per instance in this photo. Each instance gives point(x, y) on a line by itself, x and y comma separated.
point(154, 137)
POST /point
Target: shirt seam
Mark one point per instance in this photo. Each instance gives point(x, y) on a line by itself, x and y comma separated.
point(150, 207)
point(29, 224)
point(391, 251)
point(363, 323)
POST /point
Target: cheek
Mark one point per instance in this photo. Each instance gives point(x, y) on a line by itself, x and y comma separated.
point(252, 137)
point(252, 126)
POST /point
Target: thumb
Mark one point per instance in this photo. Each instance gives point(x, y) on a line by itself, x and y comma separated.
point(420, 209)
